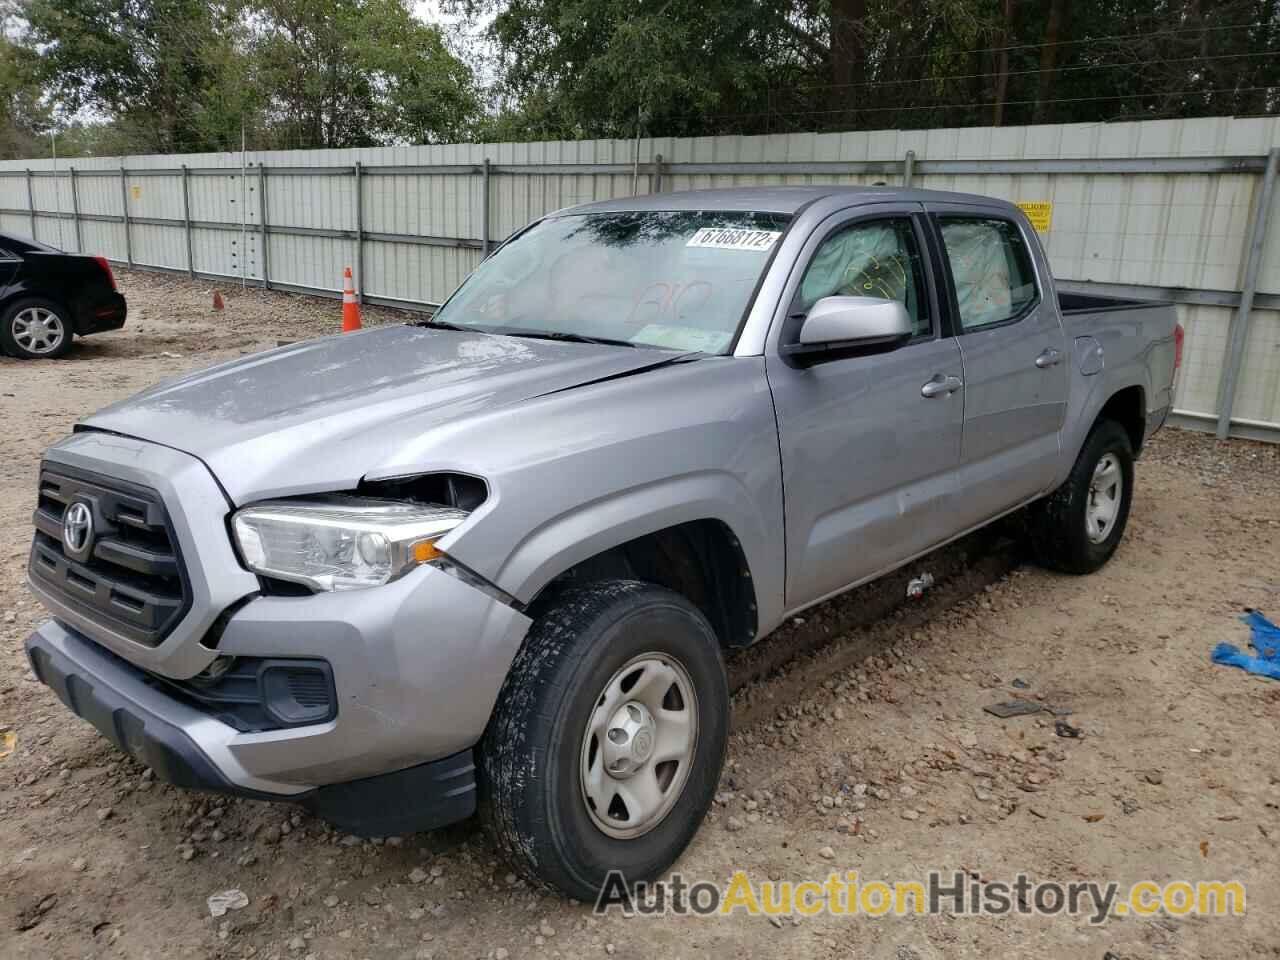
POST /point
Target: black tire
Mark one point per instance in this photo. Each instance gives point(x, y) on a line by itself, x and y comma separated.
point(531, 756)
point(1057, 527)
point(9, 319)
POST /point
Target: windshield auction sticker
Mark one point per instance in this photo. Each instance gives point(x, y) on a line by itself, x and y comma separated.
point(720, 238)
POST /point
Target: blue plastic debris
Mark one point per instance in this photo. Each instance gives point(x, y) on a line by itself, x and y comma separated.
point(1265, 641)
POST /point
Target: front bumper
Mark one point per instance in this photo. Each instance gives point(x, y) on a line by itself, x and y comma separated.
point(184, 747)
point(416, 664)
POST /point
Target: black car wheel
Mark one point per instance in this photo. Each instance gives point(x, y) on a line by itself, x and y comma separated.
point(606, 744)
point(1077, 528)
point(35, 329)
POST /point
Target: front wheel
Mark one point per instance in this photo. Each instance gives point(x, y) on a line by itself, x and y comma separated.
point(608, 738)
point(1077, 528)
point(35, 329)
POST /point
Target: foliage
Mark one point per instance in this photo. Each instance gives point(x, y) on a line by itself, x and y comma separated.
point(356, 73)
point(603, 67)
point(184, 75)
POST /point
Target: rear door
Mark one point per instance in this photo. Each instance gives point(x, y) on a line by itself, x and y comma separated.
point(1014, 353)
point(867, 452)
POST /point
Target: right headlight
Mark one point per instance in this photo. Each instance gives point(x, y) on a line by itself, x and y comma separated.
point(340, 542)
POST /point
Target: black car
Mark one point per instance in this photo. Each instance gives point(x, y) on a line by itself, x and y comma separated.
point(46, 296)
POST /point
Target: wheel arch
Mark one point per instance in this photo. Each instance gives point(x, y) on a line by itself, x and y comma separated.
point(1127, 407)
point(702, 559)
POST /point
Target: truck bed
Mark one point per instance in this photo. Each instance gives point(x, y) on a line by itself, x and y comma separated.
point(1072, 303)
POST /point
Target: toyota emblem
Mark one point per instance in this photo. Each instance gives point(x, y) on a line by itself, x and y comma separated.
point(77, 529)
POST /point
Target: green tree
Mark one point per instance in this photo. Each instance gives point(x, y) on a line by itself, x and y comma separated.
point(152, 66)
point(24, 115)
point(343, 73)
point(572, 68)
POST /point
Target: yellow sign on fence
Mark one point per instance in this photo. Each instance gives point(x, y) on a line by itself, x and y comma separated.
point(1039, 212)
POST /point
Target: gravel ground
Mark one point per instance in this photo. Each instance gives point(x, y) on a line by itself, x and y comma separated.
point(881, 760)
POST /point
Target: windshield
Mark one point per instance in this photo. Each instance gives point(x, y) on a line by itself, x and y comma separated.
point(677, 279)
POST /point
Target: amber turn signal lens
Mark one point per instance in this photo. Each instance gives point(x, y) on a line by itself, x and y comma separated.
point(425, 550)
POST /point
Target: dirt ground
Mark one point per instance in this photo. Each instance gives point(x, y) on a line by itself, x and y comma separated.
point(885, 764)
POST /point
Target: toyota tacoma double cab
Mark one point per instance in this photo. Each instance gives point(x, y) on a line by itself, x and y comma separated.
point(493, 560)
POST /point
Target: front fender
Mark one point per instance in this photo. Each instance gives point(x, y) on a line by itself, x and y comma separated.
point(595, 527)
point(577, 472)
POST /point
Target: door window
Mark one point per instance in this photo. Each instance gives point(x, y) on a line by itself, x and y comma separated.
point(991, 268)
point(878, 258)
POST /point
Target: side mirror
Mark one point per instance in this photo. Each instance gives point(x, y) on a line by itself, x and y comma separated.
point(851, 323)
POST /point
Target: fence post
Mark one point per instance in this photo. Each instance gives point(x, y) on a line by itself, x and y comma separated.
point(359, 235)
point(262, 211)
point(186, 221)
point(909, 168)
point(124, 207)
point(75, 210)
point(484, 208)
point(656, 186)
point(31, 204)
point(1239, 335)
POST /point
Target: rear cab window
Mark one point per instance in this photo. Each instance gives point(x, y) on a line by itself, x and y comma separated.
point(991, 268)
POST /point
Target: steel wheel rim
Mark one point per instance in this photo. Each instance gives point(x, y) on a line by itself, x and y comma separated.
point(638, 746)
point(38, 330)
point(1106, 489)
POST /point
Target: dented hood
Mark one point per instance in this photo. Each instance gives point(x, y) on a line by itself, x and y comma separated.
point(322, 414)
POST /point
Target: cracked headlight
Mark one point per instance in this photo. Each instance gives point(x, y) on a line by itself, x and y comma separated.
point(340, 542)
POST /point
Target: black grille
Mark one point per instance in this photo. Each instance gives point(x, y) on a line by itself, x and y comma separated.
point(130, 579)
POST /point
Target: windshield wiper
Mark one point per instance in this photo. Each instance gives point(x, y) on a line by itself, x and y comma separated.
point(561, 335)
point(442, 325)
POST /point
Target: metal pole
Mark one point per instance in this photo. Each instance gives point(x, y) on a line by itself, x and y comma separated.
point(635, 166)
point(1240, 325)
point(657, 173)
point(909, 168)
point(244, 214)
point(484, 210)
point(262, 210)
point(186, 220)
point(57, 190)
point(31, 204)
point(359, 235)
point(75, 210)
point(124, 206)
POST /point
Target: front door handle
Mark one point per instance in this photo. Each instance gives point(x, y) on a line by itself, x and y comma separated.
point(1049, 358)
point(941, 386)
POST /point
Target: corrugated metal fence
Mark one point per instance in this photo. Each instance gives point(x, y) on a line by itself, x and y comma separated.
point(1158, 209)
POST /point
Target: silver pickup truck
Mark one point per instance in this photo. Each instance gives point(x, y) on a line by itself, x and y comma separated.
point(494, 559)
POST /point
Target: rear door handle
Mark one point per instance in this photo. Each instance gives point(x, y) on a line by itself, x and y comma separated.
point(1049, 358)
point(941, 386)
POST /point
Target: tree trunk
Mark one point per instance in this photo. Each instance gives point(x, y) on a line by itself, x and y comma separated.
point(1002, 64)
point(848, 59)
point(1048, 79)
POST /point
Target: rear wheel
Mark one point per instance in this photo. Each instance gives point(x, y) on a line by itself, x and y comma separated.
point(35, 329)
point(1077, 528)
point(606, 744)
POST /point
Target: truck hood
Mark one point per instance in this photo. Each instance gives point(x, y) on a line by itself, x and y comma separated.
point(321, 415)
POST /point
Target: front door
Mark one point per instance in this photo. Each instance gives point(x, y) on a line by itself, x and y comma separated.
point(868, 442)
point(1015, 360)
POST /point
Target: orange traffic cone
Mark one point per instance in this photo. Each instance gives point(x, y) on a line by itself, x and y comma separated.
point(350, 309)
